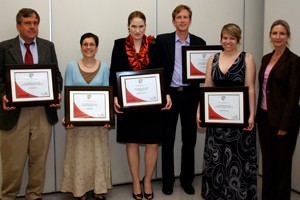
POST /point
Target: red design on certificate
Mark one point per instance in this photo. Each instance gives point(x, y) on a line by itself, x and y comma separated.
point(141, 89)
point(22, 94)
point(79, 113)
point(32, 84)
point(88, 105)
point(212, 114)
point(195, 71)
point(224, 107)
point(131, 98)
point(198, 64)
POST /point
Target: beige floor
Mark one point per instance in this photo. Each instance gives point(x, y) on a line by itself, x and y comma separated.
point(123, 192)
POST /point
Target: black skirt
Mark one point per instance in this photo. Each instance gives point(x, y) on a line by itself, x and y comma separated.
point(143, 126)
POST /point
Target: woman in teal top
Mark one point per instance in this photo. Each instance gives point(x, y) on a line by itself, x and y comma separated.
point(73, 75)
point(87, 160)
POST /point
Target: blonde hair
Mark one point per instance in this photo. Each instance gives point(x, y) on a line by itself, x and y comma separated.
point(233, 29)
point(284, 24)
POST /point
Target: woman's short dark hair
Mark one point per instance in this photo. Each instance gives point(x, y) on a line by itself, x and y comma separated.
point(89, 35)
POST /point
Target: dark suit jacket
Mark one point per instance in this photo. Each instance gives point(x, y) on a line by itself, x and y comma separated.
point(283, 90)
point(168, 43)
point(10, 53)
point(119, 60)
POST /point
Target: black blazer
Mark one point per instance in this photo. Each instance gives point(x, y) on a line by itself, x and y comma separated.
point(283, 90)
point(119, 60)
point(10, 53)
point(167, 41)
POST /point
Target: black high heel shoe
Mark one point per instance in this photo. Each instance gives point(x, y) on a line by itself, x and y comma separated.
point(137, 196)
point(147, 196)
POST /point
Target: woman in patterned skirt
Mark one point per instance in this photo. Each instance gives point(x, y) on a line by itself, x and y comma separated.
point(230, 153)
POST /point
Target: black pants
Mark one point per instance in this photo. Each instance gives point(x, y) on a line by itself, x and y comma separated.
point(184, 103)
point(277, 153)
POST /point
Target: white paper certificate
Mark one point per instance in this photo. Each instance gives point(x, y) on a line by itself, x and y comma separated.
point(194, 61)
point(141, 90)
point(89, 106)
point(198, 62)
point(32, 84)
point(225, 108)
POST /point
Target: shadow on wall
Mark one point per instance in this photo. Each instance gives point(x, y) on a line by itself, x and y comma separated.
point(0, 167)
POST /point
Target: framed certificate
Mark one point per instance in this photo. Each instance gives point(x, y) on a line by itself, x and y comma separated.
point(194, 62)
point(141, 89)
point(31, 84)
point(224, 107)
point(89, 106)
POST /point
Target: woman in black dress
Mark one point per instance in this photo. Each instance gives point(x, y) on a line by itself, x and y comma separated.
point(230, 153)
point(135, 127)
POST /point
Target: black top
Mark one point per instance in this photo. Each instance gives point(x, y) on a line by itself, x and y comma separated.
point(142, 125)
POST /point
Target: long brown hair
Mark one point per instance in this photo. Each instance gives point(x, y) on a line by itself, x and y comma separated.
point(135, 14)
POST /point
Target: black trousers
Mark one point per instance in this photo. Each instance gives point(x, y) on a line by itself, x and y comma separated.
point(184, 103)
point(277, 154)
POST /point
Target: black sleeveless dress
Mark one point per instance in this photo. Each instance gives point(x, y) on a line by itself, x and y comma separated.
point(230, 159)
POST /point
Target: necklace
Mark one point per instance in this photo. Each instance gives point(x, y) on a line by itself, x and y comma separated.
point(87, 65)
point(276, 57)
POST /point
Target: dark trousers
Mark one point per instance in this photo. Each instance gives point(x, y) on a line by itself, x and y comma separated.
point(184, 103)
point(277, 153)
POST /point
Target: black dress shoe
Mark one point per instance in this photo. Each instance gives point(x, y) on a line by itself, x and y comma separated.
point(167, 190)
point(189, 189)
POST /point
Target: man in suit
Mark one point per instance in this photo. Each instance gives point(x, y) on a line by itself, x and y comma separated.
point(25, 131)
point(185, 98)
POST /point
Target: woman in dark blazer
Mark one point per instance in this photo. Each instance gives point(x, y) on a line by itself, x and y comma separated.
point(135, 127)
point(278, 113)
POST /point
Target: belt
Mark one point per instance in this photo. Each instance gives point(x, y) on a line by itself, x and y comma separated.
point(179, 89)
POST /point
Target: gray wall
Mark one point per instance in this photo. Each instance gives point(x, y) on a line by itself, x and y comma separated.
point(64, 22)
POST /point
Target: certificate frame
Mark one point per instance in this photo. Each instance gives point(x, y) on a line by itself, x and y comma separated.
point(89, 98)
point(149, 97)
point(218, 107)
point(31, 84)
point(194, 62)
